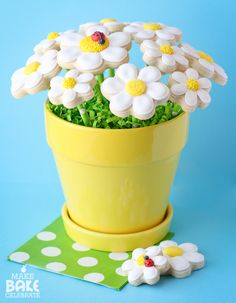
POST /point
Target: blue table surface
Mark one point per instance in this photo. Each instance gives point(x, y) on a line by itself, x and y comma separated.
point(204, 191)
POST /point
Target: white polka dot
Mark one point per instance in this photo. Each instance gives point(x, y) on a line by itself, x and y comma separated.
point(19, 256)
point(118, 256)
point(77, 246)
point(56, 266)
point(120, 272)
point(94, 277)
point(87, 261)
point(51, 251)
point(46, 236)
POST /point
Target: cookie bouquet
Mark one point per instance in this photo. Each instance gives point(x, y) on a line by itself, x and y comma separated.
point(117, 130)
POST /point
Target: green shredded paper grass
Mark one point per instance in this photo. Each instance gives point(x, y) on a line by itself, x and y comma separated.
point(100, 115)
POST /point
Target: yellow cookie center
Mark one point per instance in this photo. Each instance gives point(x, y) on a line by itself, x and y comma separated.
point(166, 49)
point(152, 26)
point(205, 57)
point(192, 84)
point(140, 260)
point(32, 67)
point(135, 87)
point(88, 45)
point(173, 251)
point(68, 82)
point(52, 35)
point(106, 20)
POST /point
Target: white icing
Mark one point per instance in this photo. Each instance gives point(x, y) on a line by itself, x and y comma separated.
point(149, 74)
point(119, 39)
point(127, 72)
point(114, 54)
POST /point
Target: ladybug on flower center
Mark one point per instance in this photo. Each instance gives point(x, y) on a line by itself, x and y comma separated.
point(98, 37)
point(148, 262)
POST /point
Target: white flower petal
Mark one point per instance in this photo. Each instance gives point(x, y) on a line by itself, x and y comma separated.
point(179, 264)
point(89, 61)
point(54, 95)
point(151, 275)
point(179, 77)
point(167, 243)
point(168, 60)
point(47, 67)
point(120, 104)
point(69, 99)
point(132, 29)
point(158, 91)
point(189, 247)
point(49, 55)
point(127, 72)
point(111, 86)
point(160, 261)
point(97, 28)
point(204, 97)
point(173, 30)
point(82, 89)
point(143, 107)
point(189, 51)
point(135, 276)
point(18, 74)
point(128, 265)
point(137, 253)
point(178, 89)
point(165, 35)
point(192, 74)
point(70, 40)
point(205, 64)
point(144, 35)
point(119, 39)
point(205, 83)
point(191, 98)
point(153, 251)
point(196, 259)
point(56, 81)
point(149, 44)
point(114, 54)
point(34, 58)
point(68, 55)
point(181, 60)
point(33, 79)
point(86, 78)
point(149, 74)
point(73, 73)
point(220, 73)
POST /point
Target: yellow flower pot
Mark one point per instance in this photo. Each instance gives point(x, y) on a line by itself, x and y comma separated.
point(116, 182)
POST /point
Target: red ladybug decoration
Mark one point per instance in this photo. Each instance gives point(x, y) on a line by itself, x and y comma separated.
point(99, 37)
point(148, 262)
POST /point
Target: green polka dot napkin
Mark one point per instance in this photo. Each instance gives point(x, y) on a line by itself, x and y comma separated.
point(52, 250)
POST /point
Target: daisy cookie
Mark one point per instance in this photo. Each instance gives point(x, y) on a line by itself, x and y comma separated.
point(94, 53)
point(160, 32)
point(166, 57)
point(146, 266)
point(72, 89)
point(106, 25)
point(134, 92)
point(190, 90)
point(205, 64)
point(183, 258)
point(51, 42)
point(35, 75)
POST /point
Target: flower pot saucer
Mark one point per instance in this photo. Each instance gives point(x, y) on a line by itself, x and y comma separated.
point(116, 242)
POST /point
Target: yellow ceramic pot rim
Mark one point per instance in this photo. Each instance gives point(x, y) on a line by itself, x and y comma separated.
point(116, 147)
point(88, 128)
point(116, 242)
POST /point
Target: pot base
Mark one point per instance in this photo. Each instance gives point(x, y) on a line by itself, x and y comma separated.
point(116, 242)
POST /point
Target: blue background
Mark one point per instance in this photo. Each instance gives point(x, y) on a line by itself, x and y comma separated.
point(204, 192)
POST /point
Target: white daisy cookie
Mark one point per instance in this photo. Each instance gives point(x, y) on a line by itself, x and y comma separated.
point(72, 89)
point(94, 53)
point(51, 42)
point(134, 92)
point(204, 64)
point(160, 32)
point(189, 90)
point(35, 75)
point(166, 57)
point(183, 258)
point(146, 266)
point(106, 26)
